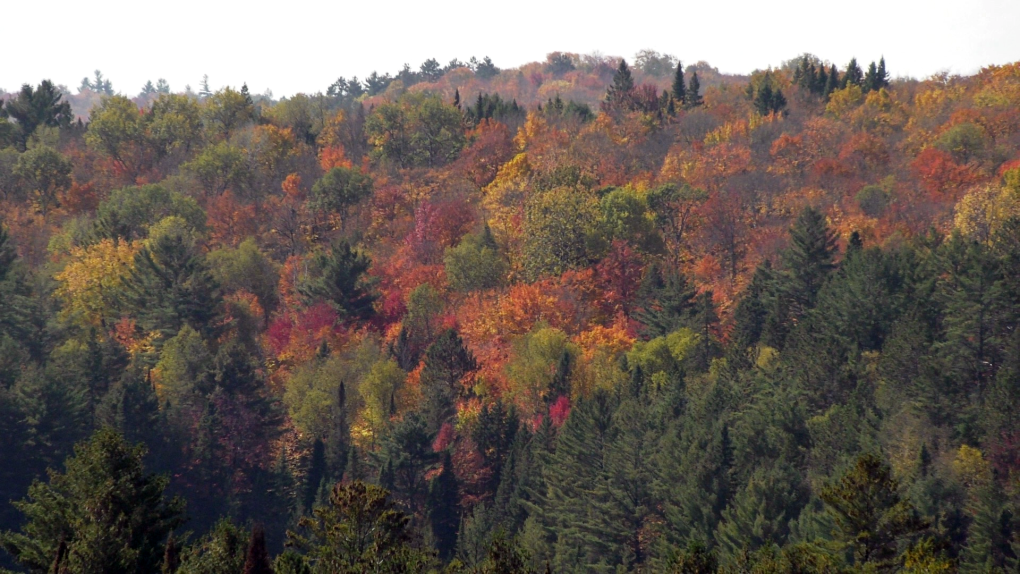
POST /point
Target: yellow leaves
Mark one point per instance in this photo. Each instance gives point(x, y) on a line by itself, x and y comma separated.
point(726, 132)
point(842, 101)
point(535, 128)
point(971, 468)
point(1002, 86)
point(91, 279)
point(984, 210)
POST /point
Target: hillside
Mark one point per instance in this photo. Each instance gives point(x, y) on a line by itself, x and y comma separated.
point(586, 314)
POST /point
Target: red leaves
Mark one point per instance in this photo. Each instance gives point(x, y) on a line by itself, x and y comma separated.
point(559, 411)
point(940, 174)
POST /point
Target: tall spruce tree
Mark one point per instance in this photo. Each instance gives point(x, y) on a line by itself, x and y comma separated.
point(679, 84)
point(104, 513)
point(338, 278)
point(442, 508)
point(620, 94)
point(808, 260)
point(170, 285)
point(666, 302)
point(870, 514)
point(447, 361)
point(693, 99)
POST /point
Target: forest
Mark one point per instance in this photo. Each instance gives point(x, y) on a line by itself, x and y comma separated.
point(591, 314)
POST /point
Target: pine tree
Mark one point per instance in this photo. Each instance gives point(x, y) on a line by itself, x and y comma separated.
point(870, 81)
point(129, 534)
point(871, 516)
point(882, 76)
point(340, 281)
point(170, 285)
point(359, 530)
point(316, 474)
point(560, 385)
point(171, 556)
point(256, 559)
point(447, 361)
point(832, 82)
point(679, 84)
point(693, 99)
point(853, 75)
point(666, 302)
point(808, 261)
point(442, 508)
point(988, 546)
point(620, 94)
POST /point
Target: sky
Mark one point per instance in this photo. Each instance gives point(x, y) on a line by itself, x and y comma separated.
point(303, 45)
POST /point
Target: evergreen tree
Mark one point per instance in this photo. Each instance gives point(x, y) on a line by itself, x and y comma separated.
point(170, 285)
point(882, 76)
point(808, 260)
point(256, 560)
point(679, 84)
point(871, 81)
point(693, 99)
point(447, 361)
point(666, 302)
point(620, 94)
point(871, 515)
point(360, 530)
point(442, 508)
point(833, 82)
point(853, 75)
point(316, 474)
point(103, 514)
point(408, 455)
point(338, 278)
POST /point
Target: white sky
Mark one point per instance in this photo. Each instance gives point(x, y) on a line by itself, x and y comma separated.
point(303, 45)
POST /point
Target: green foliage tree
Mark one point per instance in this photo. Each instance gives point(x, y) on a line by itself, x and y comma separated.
point(620, 94)
point(358, 531)
point(442, 509)
point(103, 514)
point(339, 190)
point(558, 226)
point(418, 130)
point(447, 362)
point(870, 514)
point(694, 98)
point(44, 174)
point(170, 285)
point(679, 92)
point(475, 264)
point(338, 278)
point(31, 108)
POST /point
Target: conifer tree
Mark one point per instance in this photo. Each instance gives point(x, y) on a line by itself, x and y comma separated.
point(832, 82)
point(871, 81)
point(853, 75)
point(666, 302)
point(882, 76)
point(256, 559)
point(679, 84)
point(340, 281)
point(871, 516)
point(447, 361)
point(693, 99)
point(809, 260)
point(316, 474)
point(63, 517)
point(442, 508)
point(620, 94)
point(170, 285)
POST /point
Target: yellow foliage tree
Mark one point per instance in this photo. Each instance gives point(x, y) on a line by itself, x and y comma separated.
point(842, 101)
point(89, 283)
point(983, 210)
